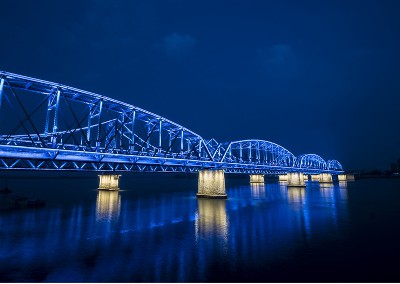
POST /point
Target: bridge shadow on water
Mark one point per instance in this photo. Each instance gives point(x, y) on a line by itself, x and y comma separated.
point(158, 231)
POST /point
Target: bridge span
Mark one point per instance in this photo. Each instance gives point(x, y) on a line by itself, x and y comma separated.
point(50, 126)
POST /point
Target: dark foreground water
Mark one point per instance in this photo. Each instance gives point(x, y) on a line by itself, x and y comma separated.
point(156, 230)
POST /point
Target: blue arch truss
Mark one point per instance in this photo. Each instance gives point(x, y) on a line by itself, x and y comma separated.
point(310, 161)
point(51, 126)
point(334, 165)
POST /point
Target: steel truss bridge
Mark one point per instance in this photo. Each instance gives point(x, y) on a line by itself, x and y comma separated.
point(50, 126)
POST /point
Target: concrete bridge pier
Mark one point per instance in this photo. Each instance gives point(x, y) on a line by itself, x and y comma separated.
point(326, 178)
point(296, 179)
point(211, 184)
point(109, 182)
point(256, 178)
point(342, 178)
point(315, 177)
point(283, 177)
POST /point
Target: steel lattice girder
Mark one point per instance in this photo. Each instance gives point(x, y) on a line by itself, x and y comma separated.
point(60, 165)
point(124, 118)
point(310, 161)
point(105, 136)
point(334, 165)
point(265, 152)
point(26, 158)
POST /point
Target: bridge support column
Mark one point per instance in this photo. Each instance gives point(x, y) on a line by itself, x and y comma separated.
point(296, 179)
point(315, 177)
point(283, 177)
point(256, 178)
point(211, 184)
point(326, 178)
point(350, 177)
point(108, 182)
point(342, 178)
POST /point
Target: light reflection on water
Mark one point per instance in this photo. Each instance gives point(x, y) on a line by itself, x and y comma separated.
point(108, 206)
point(257, 190)
point(296, 194)
point(297, 200)
point(167, 237)
point(211, 219)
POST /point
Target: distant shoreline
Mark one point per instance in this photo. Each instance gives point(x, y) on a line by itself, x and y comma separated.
point(365, 176)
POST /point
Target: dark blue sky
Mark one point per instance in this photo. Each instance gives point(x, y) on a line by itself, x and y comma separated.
point(313, 76)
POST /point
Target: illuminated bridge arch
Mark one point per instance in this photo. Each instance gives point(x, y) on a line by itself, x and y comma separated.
point(254, 151)
point(310, 161)
point(46, 115)
point(334, 165)
point(51, 126)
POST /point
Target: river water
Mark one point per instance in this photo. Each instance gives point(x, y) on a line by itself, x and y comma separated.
point(155, 230)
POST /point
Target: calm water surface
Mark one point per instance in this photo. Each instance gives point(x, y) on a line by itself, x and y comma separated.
point(155, 229)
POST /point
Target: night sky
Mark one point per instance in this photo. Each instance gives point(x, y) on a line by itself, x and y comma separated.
point(313, 76)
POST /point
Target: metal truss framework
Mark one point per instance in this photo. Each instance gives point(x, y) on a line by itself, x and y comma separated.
point(49, 126)
point(334, 165)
